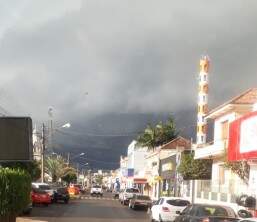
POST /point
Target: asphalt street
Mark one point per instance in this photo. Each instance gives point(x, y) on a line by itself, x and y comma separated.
point(90, 210)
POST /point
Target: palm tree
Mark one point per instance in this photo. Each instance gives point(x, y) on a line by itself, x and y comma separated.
point(57, 168)
point(162, 133)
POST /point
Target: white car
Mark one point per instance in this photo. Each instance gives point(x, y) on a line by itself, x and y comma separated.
point(46, 187)
point(96, 190)
point(166, 207)
point(127, 194)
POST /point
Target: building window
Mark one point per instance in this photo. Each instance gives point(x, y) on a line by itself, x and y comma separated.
point(224, 130)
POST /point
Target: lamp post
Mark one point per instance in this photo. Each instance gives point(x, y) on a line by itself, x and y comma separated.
point(43, 148)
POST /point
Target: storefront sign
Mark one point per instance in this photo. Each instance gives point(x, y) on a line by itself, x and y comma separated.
point(243, 138)
point(167, 167)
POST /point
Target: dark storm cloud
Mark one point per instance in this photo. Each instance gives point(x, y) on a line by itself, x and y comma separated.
point(123, 56)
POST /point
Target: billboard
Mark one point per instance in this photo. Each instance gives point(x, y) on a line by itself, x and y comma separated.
point(242, 143)
point(16, 139)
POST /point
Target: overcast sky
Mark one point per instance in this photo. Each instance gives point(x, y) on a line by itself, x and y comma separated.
point(124, 56)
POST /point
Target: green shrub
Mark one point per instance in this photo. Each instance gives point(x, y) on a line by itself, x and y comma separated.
point(191, 169)
point(15, 187)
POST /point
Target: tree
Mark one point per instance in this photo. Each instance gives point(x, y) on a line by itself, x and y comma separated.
point(70, 177)
point(99, 179)
point(192, 169)
point(57, 168)
point(154, 136)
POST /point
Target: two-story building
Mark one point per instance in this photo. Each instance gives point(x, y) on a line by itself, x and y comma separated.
point(161, 165)
point(224, 186)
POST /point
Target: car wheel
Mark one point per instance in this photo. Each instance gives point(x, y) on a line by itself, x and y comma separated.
point(46, 204)
point(33, 204)
point(66, 201)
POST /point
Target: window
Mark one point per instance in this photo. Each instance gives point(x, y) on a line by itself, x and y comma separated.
point(224, 130)
point(216, 211)
point(132, 190)
point(161, 201)
point(178, 202)
point(141, 197)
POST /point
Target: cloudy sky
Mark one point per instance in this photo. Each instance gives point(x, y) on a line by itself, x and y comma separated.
point(92, 57)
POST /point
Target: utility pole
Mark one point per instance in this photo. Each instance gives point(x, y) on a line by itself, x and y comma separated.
point(68, 159)
point(43, 153)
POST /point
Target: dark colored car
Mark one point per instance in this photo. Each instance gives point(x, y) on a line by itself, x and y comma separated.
point(61, 194)
point(206, 213)
point(140, 201)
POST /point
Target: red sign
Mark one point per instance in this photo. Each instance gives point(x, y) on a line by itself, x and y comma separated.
point(242, 144)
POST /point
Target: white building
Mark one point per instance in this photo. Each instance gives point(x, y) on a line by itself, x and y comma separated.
point(136, 164)
point(224, 186)
point(37, 144)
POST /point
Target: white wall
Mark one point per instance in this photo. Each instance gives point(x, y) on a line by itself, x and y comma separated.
point(218, 125)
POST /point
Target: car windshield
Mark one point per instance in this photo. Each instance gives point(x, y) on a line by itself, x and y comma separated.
point(96, 186)
point(142, 197)
point(44, 187)
point(178, 202)
point(215, 211)
point(132, 190)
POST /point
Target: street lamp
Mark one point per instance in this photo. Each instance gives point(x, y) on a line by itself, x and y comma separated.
point(66, 125)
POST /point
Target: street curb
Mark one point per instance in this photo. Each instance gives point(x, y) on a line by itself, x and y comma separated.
point(28, 220)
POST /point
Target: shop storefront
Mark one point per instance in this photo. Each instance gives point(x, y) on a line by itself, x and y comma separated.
point(168, 175)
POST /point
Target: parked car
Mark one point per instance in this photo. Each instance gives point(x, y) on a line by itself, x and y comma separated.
point(79, 187)
point(45, 187)
point(96, 190)
point(207, 213)
point(62, 194)
point(166, 207)
point(127, 194)
point(73, 190)
point(39, 196)
point(140, 201)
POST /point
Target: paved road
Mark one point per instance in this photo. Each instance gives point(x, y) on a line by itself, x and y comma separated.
point(89, 210)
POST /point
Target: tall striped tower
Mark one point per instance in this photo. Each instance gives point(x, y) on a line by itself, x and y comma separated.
point(202, 100)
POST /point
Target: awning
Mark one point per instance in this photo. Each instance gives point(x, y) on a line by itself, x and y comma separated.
point(140, 180)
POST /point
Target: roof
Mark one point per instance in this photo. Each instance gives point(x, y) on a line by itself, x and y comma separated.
point(244, 101)
point(178, 142)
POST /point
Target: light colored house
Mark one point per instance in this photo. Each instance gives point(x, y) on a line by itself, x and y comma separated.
point(224, 186)
point(160, 166)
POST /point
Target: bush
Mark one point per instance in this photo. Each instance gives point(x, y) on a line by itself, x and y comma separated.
point(192, 169)
point(33, 168)
point(15, 187)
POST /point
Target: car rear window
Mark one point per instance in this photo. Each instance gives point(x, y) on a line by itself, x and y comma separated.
point(96, 186)
point(132, 190)
point(143, 198)
point(39, 191)
point(178, 203)
point(44, 187)
point(212, 211)
point(62, 190)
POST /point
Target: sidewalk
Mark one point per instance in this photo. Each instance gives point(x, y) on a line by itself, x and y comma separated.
point(19, 219)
